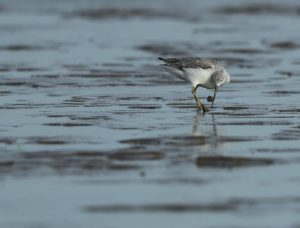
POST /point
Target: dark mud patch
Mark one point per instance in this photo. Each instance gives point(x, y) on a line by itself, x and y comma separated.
point(68, 124)
point(76, 100)
point(27, 105)
point(186, 140)
point(87, 118)
point(289, 110)
point(57, 116)
point(255, 123)
point(61, 155)
point(100, 165)
point(285, 44)
point(5, 92)
point(14, 83)
point(144, 106)
point(159, 208)
point(128, 98)
point(7, 141)
point(233, 204)
point(29, 69)
point(125, 14)
point(25, 83)
point(47, 141)
point(168, 181)
point(288, 134)
point(144, 141)
point(283, 93)
point(259, 9)
point(285, 73)
point(231, 162)
point(146, 99)
point(22, 47)
point(45, 76)
point(126, 112)
point(80, 162)
point(4, 69)
point(20, 67)
point(6, 166)
point(133, 156)
point(237, 108)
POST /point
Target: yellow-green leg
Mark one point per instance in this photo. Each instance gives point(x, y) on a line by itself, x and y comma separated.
point(200, 106)
point(215, 93)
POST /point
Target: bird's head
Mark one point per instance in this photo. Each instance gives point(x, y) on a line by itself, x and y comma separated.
point(226, 76)
point(221, 77)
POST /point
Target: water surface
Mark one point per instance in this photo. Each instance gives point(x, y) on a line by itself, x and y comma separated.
point(95, 134)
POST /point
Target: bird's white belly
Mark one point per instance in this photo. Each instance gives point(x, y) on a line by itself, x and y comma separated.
point(199, 77)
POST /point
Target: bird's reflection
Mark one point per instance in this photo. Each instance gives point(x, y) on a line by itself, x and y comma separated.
point(200, 121)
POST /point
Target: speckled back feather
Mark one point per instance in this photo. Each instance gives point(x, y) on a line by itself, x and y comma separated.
point(192, 62)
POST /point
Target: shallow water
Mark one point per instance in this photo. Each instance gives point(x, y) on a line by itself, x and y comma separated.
point(95, 134)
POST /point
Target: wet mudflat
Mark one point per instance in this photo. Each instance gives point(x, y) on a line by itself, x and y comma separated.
point(94, 134)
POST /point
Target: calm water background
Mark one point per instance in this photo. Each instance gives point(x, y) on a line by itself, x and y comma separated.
point(94, 134)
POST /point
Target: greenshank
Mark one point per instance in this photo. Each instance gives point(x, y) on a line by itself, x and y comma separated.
point(203, 72)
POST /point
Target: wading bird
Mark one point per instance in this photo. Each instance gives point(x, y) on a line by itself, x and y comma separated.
point(206, 73)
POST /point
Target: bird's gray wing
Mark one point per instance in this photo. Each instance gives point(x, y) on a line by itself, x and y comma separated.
point(190, 62)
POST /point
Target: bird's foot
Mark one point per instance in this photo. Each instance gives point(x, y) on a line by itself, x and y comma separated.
point(202, 107)
point(199, 107)
point(205, 109)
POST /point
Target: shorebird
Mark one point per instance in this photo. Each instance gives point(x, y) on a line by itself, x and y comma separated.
point(203, 72)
